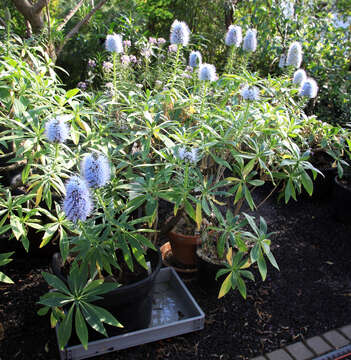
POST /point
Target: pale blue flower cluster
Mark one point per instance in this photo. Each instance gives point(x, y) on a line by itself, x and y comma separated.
point(127, 43)
point(160, 41)
point(250, 93)
point(180, 33)
point(191, 156)
point(82, 85)
point(250, 41)
point(195, 59)
point(56, 130)
point(234, 36)
point(309, 88)
point(172, 48)
point(95, 170)
point(91, 63)
point(114, 43)
point(299, 77)
point(77, 204)
point(294, 57)
point(107, 66)
point(287, 7)
point(207, 72)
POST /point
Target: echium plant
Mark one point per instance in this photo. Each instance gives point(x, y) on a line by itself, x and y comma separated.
point(233, 39)
point(114, 45)
point(93, 251)
point(179, 37)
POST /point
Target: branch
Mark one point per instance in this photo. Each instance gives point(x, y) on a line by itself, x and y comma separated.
point(79, 25)
point(23, 6)
point(69, 15)
point(3, 23)
point(169, 225)
point(32, 13)
point(28, 29)
point(39, 5)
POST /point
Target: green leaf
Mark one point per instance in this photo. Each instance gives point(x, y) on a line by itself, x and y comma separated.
point(92, 319)
point(17, 227)
point(71, 93)
point(226, 286)
point(48, 235)
point(262, 267)
point(4, 258)
point(263, 224)
point(254, 253)
point(247, 274)
point(222, 272)
point(64, 330)
point(307, 182)
point(81, 328)
point(198, 215)
point(64, 244)
point(241, 287)
point(54, 298)
point(248, 197)
point(126, 253)
point(5, 279)
point(248, 168)
point(189, 210)
point(43, 311)
point(251, 222)
point(256, 182)
point(105, 316)
point(272, 260)
point(55, 282)
point(239, 194)
point(221, 245)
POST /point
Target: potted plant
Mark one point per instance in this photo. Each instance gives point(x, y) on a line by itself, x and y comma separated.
point(327, 151)
point(94, 261)
point(191, 194)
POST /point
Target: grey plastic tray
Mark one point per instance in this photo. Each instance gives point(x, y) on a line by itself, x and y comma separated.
point(174, 312)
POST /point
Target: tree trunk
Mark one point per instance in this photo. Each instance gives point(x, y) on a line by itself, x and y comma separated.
point(32, 13)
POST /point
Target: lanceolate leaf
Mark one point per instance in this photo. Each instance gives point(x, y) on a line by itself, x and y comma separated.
point(81, 328)
point(92, 319)
point(65, 328)
point(5, 279)
point(55, 282)
point(226, 286)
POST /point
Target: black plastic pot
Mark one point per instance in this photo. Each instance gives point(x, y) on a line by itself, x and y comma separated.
point(130, 304)
point(342, 199)
point(206, 273)
point(323, 186)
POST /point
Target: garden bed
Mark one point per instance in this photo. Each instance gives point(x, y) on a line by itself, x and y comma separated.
point(310, 295)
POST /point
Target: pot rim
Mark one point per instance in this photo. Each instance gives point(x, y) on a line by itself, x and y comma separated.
point(180, 235)
point(124, 288)
point(337, 181)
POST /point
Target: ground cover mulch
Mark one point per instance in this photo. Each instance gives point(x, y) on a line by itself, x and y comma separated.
point(310, 295)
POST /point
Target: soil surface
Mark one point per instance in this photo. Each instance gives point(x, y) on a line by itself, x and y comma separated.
point(310, 295)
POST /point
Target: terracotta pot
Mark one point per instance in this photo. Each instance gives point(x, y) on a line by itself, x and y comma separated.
point(184, 247)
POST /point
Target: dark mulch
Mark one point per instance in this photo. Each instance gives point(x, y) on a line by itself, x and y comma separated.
point(309, 296)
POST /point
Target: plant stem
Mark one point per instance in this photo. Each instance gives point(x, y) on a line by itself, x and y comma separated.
point(114, 77)
point(204, 97)
point(230, 60)
point(174, 75)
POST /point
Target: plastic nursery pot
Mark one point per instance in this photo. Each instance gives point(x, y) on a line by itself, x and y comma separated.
point(184, 247)
point(323, 186)
point(207, 270)
point(342, 199)
point(130, 304)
